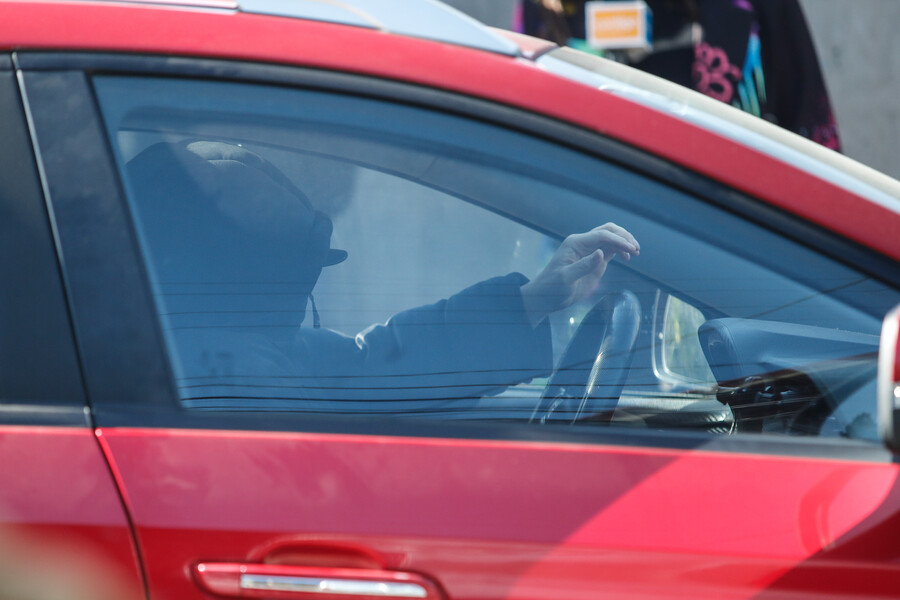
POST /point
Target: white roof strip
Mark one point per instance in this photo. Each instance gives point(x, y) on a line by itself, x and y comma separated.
point(726, 121)
point(427, 19)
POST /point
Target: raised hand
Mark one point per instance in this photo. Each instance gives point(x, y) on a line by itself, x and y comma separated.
point(576, 269)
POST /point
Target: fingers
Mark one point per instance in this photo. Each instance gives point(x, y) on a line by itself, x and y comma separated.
point(623, 233)
point(592, 263)
point(610, 238)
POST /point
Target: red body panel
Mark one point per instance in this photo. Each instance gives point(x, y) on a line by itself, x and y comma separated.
point(77, 26)
point(64, 523)
point(711, 525)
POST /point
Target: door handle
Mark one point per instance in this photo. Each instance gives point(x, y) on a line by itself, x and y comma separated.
point(241, 580)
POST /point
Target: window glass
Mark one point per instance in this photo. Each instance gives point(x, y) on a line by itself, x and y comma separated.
point(326, 253)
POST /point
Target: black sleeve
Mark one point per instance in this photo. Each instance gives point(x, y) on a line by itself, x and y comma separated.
point(475, 343)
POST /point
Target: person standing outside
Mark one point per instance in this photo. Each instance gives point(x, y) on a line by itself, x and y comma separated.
point(757, 55)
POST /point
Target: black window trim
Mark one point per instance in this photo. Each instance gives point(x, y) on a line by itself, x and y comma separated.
point(142, 392)
point(30, 248)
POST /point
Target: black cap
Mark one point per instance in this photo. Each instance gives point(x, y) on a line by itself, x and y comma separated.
point(249, 177)
point(216, 214)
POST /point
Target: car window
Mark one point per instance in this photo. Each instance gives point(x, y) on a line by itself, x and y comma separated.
point(325, 253)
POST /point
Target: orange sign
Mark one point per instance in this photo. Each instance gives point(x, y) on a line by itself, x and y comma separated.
point(618, 24)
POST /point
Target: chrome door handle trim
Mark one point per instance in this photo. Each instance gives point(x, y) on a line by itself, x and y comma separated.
point(316, 585)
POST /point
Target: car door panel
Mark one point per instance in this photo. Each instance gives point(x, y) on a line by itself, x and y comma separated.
point(503, 519)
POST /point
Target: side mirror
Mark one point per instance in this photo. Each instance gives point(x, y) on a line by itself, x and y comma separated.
point(889, 380)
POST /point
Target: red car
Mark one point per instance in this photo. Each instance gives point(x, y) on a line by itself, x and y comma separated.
point(362, 299)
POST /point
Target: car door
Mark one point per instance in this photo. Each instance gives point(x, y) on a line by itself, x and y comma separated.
point(265, 444)
point(64, 530)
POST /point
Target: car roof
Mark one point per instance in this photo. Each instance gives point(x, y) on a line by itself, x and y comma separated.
point(427, 19)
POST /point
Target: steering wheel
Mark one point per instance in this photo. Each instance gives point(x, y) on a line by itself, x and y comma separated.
point(590, 375)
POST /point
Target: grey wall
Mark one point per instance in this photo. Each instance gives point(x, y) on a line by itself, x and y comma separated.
point(858, 43)
point(859, 49)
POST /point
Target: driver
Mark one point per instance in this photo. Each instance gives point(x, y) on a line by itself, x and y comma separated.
point(224, 227)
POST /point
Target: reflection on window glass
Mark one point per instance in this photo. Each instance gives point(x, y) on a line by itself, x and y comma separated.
point(323, 253)
point(682, 355)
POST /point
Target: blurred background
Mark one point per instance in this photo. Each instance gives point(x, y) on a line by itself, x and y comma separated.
point(859, 53)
